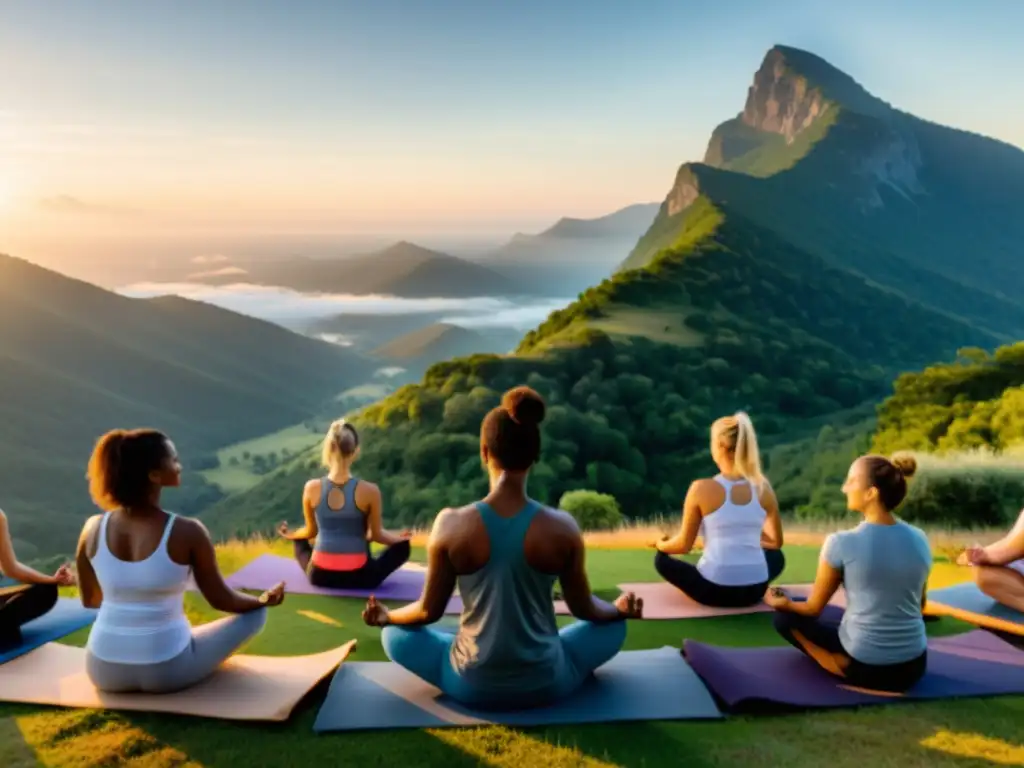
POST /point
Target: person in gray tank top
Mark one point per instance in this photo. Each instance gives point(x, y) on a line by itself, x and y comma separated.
point(344, 515)
point(505, 553)
point(879, 641)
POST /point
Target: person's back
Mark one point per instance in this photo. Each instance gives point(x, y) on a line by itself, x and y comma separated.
point(341, 542)
point(508, 638)
point(885, 570)
point(733, 555)
point(142, 617)
point(504, 553)
point(134, 563)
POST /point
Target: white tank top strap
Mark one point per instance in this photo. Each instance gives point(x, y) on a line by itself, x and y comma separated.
point(162, 546)
point(101, 541)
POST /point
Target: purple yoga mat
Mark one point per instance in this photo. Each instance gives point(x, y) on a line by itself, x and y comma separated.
point(404, 585)
point(745, 679)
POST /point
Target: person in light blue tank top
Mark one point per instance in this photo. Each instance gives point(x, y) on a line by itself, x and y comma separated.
point(879, 641)
point(505, 554)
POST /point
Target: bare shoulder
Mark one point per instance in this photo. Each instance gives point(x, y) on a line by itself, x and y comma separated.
point(456, 517)
point(312, 487)
point(366, 490)
point(560, 523)
point(704, 486)
point(190, 529)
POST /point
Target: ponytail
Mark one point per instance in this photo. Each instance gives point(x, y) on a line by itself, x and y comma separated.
point(748, 457)
point(736, 434)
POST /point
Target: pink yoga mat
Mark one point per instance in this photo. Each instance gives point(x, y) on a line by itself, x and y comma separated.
point(662, 601)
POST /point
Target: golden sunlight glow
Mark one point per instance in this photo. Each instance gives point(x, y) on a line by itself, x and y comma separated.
point(976, 746)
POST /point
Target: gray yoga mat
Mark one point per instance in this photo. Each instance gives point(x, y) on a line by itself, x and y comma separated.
point(635, 685)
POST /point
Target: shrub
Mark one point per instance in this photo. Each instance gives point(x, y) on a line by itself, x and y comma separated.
point(966, 492)
point(592, 510)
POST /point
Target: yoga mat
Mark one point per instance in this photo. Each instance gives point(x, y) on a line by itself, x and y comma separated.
point(759, 679)
point(968, 603)
point(635, 685)
point(67, 616)
point(664, 601)
point(404, 585)
point(244, 688)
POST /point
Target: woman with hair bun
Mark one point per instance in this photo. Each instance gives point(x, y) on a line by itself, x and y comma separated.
point(134, 563)
point(505, 554)
point(737, 515)
point(344, 514)
point(883, 565)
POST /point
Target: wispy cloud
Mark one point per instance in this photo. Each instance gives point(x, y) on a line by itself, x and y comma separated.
point(215, 258)
point(281, 305)
point(68, 204)
point(223, 272)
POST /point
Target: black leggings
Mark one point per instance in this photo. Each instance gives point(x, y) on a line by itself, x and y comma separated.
point(824, 633)
point(688, 579)
point(370, 576)
point(20, 605)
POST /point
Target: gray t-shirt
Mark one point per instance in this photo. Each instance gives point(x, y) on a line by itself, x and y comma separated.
point(885, 569)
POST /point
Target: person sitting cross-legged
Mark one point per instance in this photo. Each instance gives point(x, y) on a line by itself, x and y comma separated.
point(883, 565)
point(505, 554)
point(737, 515)
point(34, 596)
point(999, 567)
point(344, 515)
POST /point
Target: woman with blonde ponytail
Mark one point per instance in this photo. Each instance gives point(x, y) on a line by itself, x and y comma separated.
point(344, 514)
point(737, 515)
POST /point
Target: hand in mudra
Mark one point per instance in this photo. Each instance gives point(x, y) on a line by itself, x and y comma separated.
point(630, 606)
point(282, 529)
point(274, 595)
point(375, 614)
point(65, 576)
point(974, 556)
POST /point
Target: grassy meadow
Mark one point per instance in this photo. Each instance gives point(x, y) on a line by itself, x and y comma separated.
point(968, 733)
point(235, 472)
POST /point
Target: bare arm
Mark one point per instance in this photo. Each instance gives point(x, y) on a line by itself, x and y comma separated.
point(683, 542)
point(203, 560)
point(576, 589)
point(88, 585)
point(1007, 549)
point(374, 519)
point(309, 530)
point(826, 583)
point(440, 579)
point(9, 564)
point(771, 534)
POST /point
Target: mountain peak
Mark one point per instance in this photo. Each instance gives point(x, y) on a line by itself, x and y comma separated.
point(793, 88)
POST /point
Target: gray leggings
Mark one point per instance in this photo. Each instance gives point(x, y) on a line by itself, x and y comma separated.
point(211, 645)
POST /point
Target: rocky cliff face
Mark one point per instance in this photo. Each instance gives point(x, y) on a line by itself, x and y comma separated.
point(781, 100)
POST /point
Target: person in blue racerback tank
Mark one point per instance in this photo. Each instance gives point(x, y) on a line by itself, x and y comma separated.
point(883, 564)
point(505, 554)
point(344, 515)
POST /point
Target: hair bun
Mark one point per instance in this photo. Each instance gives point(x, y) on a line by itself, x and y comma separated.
point(524, 405)
point(905, 463)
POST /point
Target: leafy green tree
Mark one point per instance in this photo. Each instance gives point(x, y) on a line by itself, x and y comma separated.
point(592, 511)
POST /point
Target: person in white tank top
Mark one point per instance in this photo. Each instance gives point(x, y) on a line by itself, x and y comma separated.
point(737, 516)
point(999, 567)
point(134, 564)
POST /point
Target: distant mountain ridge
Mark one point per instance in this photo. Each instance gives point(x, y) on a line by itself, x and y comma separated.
point(572, 253)
point(77, 360)
point(403, 269)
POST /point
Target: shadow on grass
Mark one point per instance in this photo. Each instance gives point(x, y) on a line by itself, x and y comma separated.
point(15, 752)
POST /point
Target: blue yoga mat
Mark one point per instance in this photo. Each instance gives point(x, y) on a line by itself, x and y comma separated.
point(635, 685)
point(970, 604)
point(67, 616)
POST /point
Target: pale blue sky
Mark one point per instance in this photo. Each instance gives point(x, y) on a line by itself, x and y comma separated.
point(370, 115)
